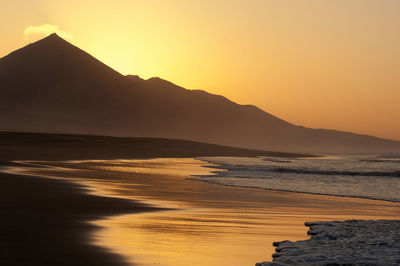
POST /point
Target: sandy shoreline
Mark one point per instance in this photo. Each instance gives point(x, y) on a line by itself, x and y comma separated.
point(45, 222)
point(214, 221)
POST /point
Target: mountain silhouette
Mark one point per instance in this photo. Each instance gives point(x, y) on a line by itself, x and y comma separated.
point(52, 86)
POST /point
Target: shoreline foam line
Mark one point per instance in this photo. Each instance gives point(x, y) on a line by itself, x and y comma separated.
point(351, 242)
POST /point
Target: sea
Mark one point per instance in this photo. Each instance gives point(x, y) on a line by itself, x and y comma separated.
point(363, 176)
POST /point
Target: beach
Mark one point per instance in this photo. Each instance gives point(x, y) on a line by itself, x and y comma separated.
point(199, 133)
point(192, 222)
point(49, 222)
point(202, 133)
point(44, 222)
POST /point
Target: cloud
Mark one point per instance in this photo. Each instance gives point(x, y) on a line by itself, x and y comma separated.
point(37, 32)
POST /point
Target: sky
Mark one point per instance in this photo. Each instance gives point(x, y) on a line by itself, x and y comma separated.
point(317, 63)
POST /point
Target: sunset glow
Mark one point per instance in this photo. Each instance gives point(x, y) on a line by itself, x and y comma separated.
point(321, 64)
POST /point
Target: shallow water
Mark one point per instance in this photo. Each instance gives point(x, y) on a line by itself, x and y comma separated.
point(362, 176)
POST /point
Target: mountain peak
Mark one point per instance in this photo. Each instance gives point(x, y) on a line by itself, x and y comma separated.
point(52, 39)
point(53, 54)
point(53, 35)
point(48, 45)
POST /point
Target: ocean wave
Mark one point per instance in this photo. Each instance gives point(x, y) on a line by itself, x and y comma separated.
point(335, 176)
point(251, 170)
point(379, 161)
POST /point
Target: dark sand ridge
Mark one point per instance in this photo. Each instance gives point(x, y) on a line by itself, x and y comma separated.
point(43, 221)
point(38, 146)
point(261, 215)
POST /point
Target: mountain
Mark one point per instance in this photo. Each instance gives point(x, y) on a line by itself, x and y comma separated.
point(53, 86)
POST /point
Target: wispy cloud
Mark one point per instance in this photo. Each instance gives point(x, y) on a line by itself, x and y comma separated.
point(36, 32)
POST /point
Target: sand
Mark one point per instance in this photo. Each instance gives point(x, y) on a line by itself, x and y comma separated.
point(46, 222)
point(206, 224)
point(150, 214)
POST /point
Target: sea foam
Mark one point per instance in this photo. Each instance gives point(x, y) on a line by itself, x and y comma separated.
point(352, 242)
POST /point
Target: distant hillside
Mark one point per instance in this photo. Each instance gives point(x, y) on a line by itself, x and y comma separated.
point(53, 86)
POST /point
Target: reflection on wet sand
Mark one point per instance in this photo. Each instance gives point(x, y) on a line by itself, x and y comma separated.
point(179, 238)
point(206, 224)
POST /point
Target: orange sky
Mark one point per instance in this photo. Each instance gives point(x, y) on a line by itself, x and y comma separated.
point(322, 64)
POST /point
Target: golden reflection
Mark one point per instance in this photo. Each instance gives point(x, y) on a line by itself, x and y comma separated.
point(205, 236)
point(183, 167)
point(216, 225)
point(197, 237)
point(210, 224)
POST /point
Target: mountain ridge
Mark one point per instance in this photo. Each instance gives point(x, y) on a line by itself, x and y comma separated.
point(55, 87)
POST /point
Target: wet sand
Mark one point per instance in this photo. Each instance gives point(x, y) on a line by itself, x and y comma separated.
point(207, 224)
point(46, 221)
